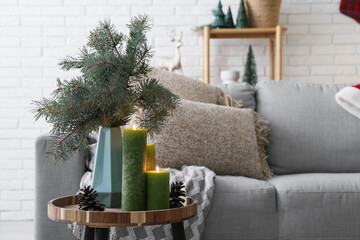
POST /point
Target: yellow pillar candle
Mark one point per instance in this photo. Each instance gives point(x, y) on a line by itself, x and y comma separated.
point(157, 189)
point(150, 159)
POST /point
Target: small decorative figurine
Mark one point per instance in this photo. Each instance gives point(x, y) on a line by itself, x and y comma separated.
point(219, 17)
point(172, 63)
point(229, 19)
point(250, 75)
point(241, 20)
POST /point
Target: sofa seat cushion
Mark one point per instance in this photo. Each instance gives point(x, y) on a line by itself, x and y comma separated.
point(318, 205)
point(242, 208)
point(310, 132)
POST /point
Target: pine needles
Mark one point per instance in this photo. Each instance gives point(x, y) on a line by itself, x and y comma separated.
point(112, 87)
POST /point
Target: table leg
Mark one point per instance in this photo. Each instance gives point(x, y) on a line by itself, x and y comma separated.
point(92, 233)
point(89, 233)
point(101, 233)
point(178, 231)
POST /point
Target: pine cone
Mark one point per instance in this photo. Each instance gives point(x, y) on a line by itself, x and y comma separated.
point(177, 194)
point(87, 200)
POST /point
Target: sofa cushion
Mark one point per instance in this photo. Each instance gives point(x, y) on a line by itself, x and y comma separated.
point(229, 141)
point(186, 87)
point(310, 132)
point(242, 208)
point(240, 91)
point(318, 205)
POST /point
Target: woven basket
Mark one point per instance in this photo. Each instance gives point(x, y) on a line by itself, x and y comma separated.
point(263, 13)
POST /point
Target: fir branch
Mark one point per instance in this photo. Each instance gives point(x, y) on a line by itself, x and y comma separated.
point(97, 40)
point(67, 136)
point(142, 56)
point(70, 109)
point(99, 64)
point(112, 39)
point(70, 63)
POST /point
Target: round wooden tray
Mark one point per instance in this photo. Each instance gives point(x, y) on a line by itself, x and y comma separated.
point(65, 209)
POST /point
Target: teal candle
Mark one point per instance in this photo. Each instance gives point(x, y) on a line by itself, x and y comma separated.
point(150, 159)
point(133, 175)
point(157, 189)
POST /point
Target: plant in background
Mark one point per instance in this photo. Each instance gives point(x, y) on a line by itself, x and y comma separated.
point(250, 75)
point(112, 87)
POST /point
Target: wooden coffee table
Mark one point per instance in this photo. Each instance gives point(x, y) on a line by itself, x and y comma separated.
point(66, 210)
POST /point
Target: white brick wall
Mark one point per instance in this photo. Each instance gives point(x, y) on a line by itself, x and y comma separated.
point(321, 45)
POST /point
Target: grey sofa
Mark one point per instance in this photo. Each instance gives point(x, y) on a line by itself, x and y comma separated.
point(314, 152)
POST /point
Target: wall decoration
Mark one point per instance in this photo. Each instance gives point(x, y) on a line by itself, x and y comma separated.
point(250, 75)
point(350, 8)
point(241, 19)
point(172, 63)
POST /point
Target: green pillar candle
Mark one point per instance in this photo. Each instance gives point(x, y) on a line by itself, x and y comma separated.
point(157, 189)
point(133, 175)
point(150, 159)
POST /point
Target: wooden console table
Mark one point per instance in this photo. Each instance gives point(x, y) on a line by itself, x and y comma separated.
point(270, 33)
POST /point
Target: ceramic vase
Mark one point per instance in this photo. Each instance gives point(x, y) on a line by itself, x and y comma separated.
point(228, 77)
point(107, 173)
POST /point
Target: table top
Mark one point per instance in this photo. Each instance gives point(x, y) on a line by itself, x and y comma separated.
point(65, 209)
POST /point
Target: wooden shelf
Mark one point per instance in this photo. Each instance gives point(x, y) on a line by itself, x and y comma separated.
point(243, 32)
point(273, 34)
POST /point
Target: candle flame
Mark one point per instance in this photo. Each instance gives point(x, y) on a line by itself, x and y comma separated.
point(157, 169)
point(134, 126)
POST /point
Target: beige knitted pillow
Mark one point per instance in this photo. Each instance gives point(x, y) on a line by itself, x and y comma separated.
point(186, 87)
point(223, 139)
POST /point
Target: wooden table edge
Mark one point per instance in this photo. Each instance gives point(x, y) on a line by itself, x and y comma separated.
point(116, 218)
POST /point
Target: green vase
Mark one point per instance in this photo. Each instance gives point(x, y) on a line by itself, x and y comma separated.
point(107, 173)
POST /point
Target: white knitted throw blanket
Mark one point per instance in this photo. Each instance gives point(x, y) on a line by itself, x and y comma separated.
point(199, 184)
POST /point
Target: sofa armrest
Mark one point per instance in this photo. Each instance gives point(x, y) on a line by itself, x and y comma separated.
point(52, 182)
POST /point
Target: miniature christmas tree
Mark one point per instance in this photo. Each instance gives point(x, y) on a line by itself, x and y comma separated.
point(112, 88)
point(241, 20)
point(229, 19)
point(219, 17)
point(250, 75)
